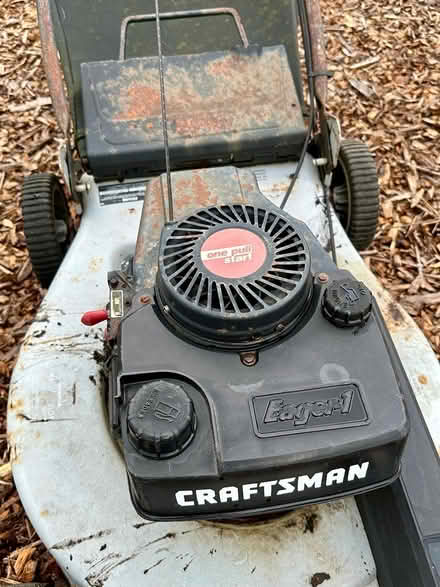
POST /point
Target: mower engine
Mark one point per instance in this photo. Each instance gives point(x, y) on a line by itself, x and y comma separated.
point(248, 374)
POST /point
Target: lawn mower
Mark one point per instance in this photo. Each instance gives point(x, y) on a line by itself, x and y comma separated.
point(216, 390)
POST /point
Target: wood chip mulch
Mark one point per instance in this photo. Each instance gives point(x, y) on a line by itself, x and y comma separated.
point(386, 90)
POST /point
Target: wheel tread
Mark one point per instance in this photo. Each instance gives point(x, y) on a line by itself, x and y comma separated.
point(361, 174)
point(38, 208)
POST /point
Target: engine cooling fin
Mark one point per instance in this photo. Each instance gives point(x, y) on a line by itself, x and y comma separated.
point(234, 273)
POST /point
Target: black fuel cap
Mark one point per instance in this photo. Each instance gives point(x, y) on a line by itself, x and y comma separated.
point(161, 419)
point(347, 302)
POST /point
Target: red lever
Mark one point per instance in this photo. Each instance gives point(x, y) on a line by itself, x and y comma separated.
point(94, 317)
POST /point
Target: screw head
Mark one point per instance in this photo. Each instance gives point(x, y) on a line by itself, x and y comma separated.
point(249, 359)
point(323, 277)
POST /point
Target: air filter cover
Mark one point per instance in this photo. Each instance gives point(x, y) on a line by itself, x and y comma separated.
point(234, 273)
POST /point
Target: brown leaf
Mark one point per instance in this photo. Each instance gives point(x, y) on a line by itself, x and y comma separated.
point(362, 87)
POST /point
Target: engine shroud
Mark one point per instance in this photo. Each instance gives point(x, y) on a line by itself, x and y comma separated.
point(317, 416)
point(234, 276)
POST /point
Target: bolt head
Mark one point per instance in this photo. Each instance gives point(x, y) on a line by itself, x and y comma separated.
point(249, 359)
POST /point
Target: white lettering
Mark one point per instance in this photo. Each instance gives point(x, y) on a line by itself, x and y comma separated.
point(249, 489)
point(303, 482)
point(358, 471)
point(267, 486)
point(181, 498)
point(287, 486)
point(205, 496)
point(228, 494)
point(336, 476)
point(306, 481)
point(229, 254)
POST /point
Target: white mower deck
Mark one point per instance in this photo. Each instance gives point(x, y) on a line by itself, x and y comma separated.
point(71, 476)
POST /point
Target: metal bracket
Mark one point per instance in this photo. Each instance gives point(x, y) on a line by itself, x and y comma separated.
point(181, 14)
point(334, 137)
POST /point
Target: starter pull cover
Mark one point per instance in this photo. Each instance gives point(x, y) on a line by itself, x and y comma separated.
point(347, 303)
point(161, 419)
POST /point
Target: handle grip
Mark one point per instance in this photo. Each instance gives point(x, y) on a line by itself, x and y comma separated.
point(94, 317)
point(181, 14)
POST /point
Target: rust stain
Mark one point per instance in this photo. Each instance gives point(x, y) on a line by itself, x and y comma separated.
point(142, 101)
point(44, 513)
point(235, 93)
point(16, 405)
point(393, 316)
point(318, 49)
point(277, 187)
point(201, 192)
point(95, 264)
point(305, 520)
point(227, 65)
point(140, 248)
point(192, 190)
point(205, 123)
point(423, 379)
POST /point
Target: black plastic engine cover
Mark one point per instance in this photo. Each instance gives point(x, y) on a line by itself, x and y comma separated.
point(233, 275)
point(319, 416)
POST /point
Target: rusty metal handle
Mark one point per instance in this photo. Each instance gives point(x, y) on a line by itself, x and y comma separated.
point(182, 14)
point(52, 67)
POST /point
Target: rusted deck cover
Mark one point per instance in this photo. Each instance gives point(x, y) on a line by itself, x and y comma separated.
point(230, 105)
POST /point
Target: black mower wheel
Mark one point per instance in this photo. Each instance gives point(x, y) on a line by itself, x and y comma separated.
point(46, 224)
point(356, 192)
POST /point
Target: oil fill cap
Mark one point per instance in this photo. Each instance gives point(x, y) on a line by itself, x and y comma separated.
point(161, 419)
point(347, 303)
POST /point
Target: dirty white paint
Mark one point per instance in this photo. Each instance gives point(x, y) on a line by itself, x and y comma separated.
point(418, 359)
point(71, 476)
point(306, 199)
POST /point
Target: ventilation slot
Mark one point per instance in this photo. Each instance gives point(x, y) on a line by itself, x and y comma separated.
point(263, 290)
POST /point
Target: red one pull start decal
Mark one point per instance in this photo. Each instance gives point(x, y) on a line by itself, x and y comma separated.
point(233, 253)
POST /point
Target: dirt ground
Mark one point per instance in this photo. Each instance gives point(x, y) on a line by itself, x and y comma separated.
point(386, 90)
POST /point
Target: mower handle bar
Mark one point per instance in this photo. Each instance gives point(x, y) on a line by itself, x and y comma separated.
point(181, 14)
